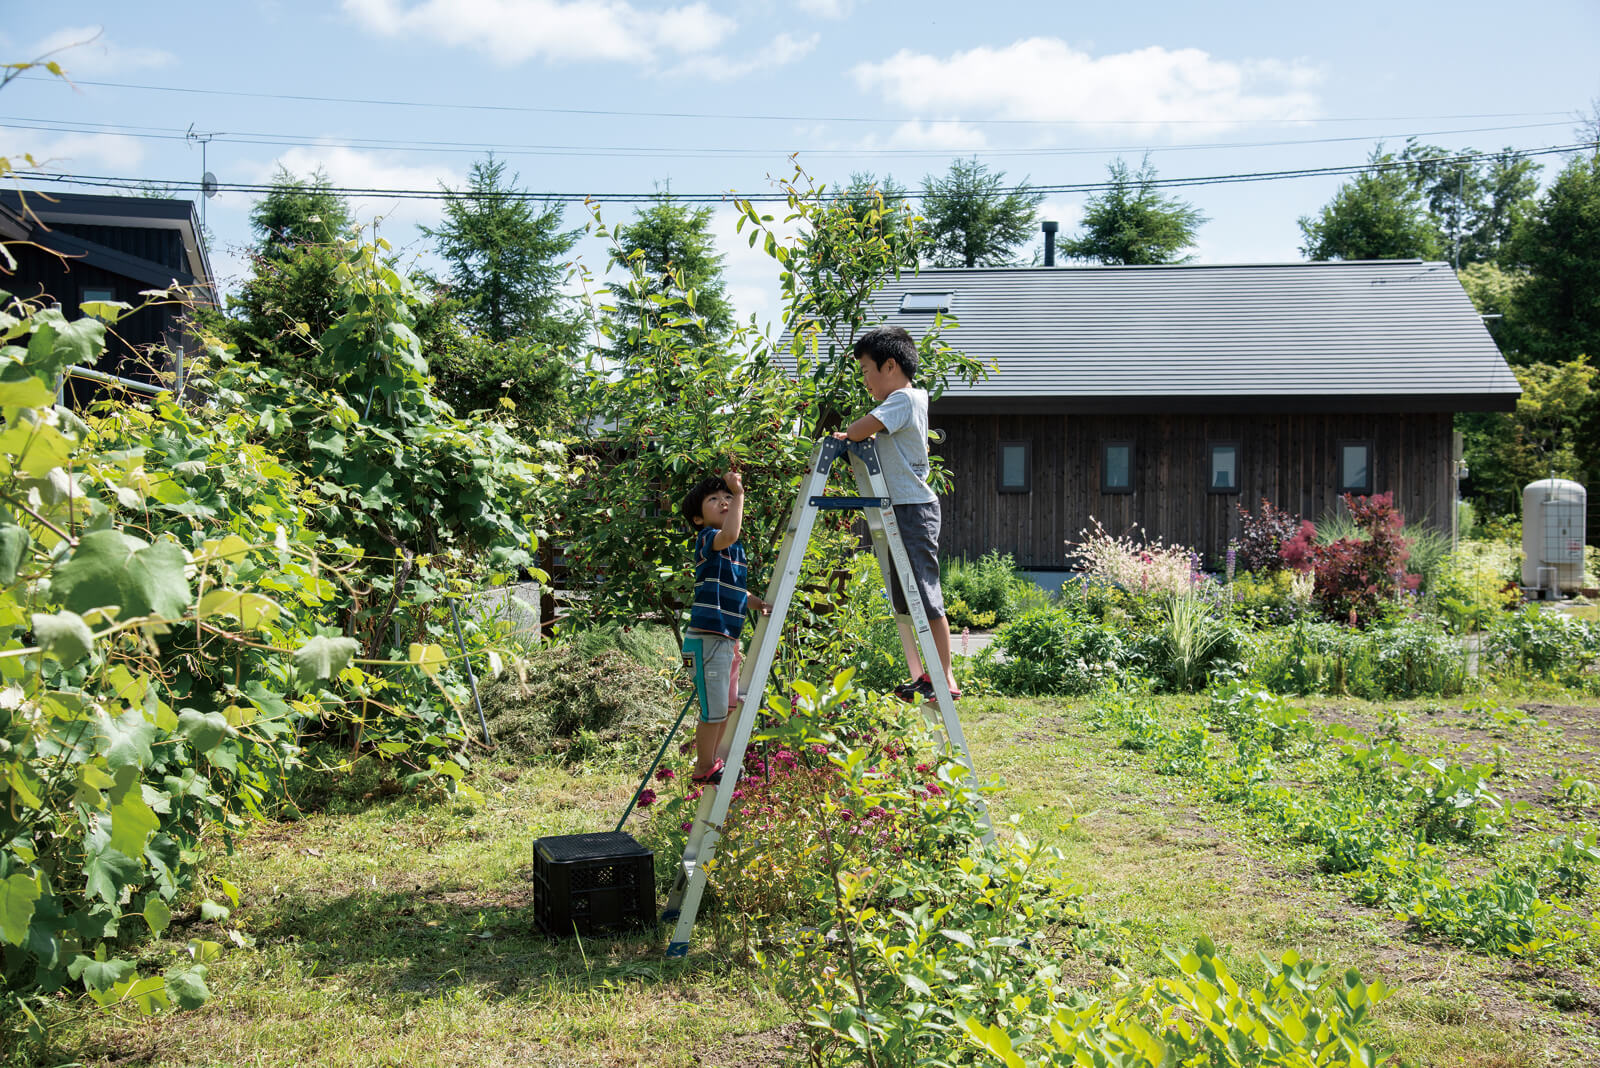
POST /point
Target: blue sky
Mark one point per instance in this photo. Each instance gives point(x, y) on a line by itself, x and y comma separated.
point(612, 96)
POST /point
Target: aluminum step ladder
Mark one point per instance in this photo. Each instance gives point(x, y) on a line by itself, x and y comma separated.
point(683, 901)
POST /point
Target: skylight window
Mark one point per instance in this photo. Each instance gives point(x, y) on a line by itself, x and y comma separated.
point(925, 303)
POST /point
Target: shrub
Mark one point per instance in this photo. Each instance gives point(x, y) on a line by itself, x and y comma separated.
point(1261, 537)
point(1272, 598)
point(1537, 641)
point(1355, 574)
point(1054, 651)
point(1471, 589)
point(1412, 658)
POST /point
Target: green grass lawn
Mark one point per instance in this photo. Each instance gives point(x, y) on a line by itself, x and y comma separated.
point(401, 932)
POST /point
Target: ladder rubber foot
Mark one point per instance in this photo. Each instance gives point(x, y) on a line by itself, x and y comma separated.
point(677, 949)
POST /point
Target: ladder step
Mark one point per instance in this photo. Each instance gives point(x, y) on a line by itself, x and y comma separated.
point(841, 503)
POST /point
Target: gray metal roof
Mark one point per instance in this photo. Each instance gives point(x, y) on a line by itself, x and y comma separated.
point(1396, 335)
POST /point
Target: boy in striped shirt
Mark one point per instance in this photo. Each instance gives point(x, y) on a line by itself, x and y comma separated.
point(715, 508)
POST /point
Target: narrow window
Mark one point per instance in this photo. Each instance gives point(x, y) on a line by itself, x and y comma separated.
point(1223, 469)
point(1355, 467)
point(1116, 467)
point(1015, 469)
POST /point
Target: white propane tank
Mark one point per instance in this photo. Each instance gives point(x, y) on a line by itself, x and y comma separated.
point(1553, 535)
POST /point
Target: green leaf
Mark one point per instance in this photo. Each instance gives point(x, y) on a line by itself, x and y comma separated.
point(20, 388)
point(112, 569)
point(132, 821)
point(126, 738)
point(428, 657)
point(101, 975)
point(63, 635)
point(250, 609)
point(107, 872)
point(205, 730)
point(323, 657)
point(13, 545)
point(187, 987)
point(17, 895)
point(157, 915)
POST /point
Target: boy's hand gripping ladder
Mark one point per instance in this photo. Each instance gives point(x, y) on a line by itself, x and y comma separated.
point(683, 901)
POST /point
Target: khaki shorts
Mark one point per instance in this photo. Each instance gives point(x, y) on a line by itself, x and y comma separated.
point(712, 659)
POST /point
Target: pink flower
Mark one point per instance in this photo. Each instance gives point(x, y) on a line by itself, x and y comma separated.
point(647, 797)
point(666, 774)
point(820, 749)
point(922, 769)
point(934, 790)
point(685, 825)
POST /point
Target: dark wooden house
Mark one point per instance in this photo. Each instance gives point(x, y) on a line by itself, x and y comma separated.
point(1163, 397)
point(71, 248)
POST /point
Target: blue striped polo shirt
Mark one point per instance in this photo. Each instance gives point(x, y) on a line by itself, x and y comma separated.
point(720, 594)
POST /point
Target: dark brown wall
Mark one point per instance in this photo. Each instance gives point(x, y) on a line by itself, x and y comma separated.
point(1288, 459)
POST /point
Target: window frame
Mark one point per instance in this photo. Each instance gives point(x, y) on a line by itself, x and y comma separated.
point(1338, 462)
point(1211, 466)
point(1105, 466)
point(1027, 466)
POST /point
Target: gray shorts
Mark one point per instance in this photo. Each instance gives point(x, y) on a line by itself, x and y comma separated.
point(709, 658)
point(919, 529)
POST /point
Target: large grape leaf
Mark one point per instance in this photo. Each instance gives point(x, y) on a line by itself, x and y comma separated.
point(112, 569)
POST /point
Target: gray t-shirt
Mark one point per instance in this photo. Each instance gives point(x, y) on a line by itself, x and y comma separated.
point(903, 449)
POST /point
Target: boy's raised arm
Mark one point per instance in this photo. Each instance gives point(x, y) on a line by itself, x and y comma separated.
point(730, 526)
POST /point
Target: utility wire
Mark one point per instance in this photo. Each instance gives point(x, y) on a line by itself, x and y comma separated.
point(188, 185)
point(591, 112)
point(403, 145)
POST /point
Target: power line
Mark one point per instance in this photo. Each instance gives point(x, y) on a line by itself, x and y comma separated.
point(632, 151)
point(721, 116)
point(187, 185)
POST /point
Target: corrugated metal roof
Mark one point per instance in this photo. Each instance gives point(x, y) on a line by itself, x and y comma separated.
point(1361, 329)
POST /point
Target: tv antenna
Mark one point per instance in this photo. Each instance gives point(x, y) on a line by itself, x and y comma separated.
point(208, 181)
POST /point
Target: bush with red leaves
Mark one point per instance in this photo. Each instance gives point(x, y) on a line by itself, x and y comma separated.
point(1355, 577)
point(1261, 537)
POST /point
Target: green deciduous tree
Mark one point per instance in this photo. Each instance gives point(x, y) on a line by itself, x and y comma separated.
point(1132, 223)
point(973, 220)
point(505, 253)
point(1474, 203)
point(1557, 312)
point(1380, 215)
point(1543, 436)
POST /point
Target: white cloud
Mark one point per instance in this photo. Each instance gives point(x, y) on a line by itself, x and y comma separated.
point(513, 31)
point(784, 49)
point(946, 136)
point(826, 9)
point(76, 151)
point(1043, 78)
point(351, 168)
point(86, 50)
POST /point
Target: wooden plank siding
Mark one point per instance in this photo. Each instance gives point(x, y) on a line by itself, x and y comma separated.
point(1289, 459)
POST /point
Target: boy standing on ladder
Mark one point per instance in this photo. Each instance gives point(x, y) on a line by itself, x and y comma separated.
point(715, 509)
point(888, 359)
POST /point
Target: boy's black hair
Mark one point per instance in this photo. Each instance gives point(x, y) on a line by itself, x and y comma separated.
point(695, 500)
point(889, 342)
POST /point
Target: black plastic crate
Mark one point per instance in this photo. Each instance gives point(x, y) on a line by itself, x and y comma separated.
point(592, 881)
